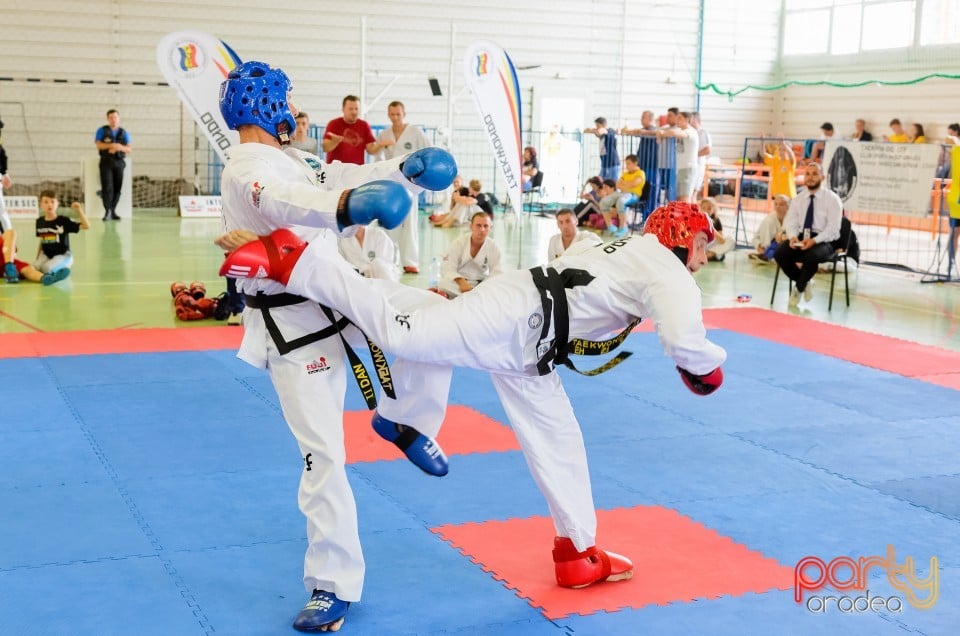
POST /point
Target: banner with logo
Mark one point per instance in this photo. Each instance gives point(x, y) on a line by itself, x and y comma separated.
point(882, 177)
point(22, 207)
point(492, 79)
point(195, 64)
point(201, 206)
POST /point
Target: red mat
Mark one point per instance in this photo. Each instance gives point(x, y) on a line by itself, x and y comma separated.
point(675, 559)
point(910, 359)
point(77, 343)
point(464, 431)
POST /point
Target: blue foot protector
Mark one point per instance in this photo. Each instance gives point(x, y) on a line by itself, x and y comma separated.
point(323, 609)
point(423, 451)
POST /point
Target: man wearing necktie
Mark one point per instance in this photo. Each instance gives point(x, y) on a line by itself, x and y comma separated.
point(812, 224)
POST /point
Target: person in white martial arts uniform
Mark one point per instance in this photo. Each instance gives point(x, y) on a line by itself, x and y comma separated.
point(569, 234)
point(519, 326)
point(304, 345)
point(371, 252)
point(470, 258)
point(398, 139)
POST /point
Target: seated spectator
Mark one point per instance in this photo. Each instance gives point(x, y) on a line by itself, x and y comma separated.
point(898, 136)
point(589, 200)
point(916, 135)
point(471, 258)
point(826, 132)
point(371, 252)
point(567, 224)
point(530, 167)
point(783, 168)
point(716, 251)
point(812, 224)
point(860, 133)
point(630, 185)
point(608, 200)
point(463, 202)
point(54, 257)
point(449, 201)
point(770, 233)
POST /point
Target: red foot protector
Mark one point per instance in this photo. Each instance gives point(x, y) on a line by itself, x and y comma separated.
point(675, 559)
point(464, 431)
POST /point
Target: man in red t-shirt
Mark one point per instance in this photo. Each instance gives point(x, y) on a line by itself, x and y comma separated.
point(345, 138)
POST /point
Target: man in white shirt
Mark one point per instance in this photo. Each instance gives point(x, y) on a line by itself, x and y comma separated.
point(703, 153)
point(569, 234)
point(811, 225)
point(688, 146)
point(471, 258)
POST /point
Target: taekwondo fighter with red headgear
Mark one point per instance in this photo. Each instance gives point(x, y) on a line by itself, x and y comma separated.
point(519, 326)
point(269, 185)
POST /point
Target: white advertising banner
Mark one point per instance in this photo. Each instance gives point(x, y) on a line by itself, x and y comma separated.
point(22, 207)
point(881, 177)
point(197, 207)
point(492, 79)
point(195, 64)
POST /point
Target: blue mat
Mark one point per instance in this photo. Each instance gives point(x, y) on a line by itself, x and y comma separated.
point(165, 485)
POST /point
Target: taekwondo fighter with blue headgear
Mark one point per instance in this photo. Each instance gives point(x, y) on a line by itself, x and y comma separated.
point(519, 326)
point(268, 185)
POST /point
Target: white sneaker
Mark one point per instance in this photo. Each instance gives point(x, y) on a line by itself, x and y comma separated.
point(794, 297)
point(808, 291)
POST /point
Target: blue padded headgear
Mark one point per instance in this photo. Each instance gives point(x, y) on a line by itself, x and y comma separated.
point(256, 94)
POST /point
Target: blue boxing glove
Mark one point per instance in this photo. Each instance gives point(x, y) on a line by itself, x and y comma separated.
point(385, 201)
point(430, 168)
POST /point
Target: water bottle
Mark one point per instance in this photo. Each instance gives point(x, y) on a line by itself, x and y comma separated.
point(434, 273)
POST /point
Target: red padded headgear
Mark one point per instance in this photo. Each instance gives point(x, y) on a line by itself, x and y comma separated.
point(676, 223)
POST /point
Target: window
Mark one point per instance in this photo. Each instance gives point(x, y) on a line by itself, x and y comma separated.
point(888, 25)
point(844, 27)
point(940, 22)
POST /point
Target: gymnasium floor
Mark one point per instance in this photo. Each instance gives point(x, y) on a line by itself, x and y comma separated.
point(148, 482)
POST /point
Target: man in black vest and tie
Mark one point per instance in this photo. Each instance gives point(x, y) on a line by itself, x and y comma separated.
point(113, 142)
point(812, 224)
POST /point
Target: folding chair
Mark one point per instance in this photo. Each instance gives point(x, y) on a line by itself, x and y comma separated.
point(841, 252)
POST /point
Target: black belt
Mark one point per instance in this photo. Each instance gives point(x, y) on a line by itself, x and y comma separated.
point(265, 303)
point(552, 286)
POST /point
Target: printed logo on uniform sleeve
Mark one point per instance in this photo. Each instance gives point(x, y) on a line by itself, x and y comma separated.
point(317, 366)
point(255, 193)
point(404, 320)
point(372, 255)
point(317, 168)
point(534, 321)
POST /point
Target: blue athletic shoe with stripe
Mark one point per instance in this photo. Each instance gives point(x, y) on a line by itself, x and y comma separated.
point(321, 612)
point(423, 451)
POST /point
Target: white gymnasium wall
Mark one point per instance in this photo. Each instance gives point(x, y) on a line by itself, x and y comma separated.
point(66, 62)
point(740, 49)
point(932, 103)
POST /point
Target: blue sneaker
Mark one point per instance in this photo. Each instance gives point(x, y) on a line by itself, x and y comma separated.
point(321, 611)
point(55, 276)
point(10, 273)
point(423, 451)
point(621, 232)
